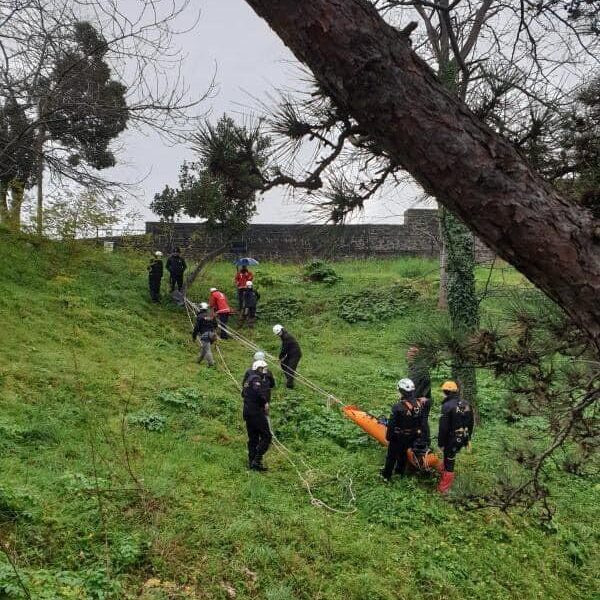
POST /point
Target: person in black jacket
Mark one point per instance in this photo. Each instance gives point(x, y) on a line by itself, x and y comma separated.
point(404, 428)
point(250, 298)
point(256, 410)
point(455, 431)
point(419, 373)
point(176, 266)
point(155, 273)
point(267, 376)
point(289, 356)
point(205, 327)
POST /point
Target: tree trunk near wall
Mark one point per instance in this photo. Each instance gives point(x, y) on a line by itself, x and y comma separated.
point(370, 70)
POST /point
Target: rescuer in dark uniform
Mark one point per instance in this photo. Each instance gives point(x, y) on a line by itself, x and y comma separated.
point(256, 410)
point(250, 298)
point(205, 327)
point(155, 273)
point(176, 265)
point(455, 432)
point(404, 428)
point(267, 376)
point(290, 354)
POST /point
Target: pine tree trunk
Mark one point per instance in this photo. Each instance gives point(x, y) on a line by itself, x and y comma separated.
point(3, 204)
point(443, 293)
point(17, 192)
point(370, 70)
point(40, 174)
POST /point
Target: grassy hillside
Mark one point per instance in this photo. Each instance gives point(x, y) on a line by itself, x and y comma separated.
point(123, 462)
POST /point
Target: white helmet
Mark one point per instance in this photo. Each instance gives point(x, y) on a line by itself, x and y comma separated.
point(213, 290)
point(405, 385)
point(259, 364)
point(260, 355)
point(203, 306)
point(158, 254)
point(248, 284)
point(277, 329)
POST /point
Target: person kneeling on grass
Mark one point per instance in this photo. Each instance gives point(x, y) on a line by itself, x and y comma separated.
point(256, 410)
point(205, 327)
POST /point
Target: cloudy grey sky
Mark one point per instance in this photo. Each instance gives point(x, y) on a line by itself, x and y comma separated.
point(250, 63)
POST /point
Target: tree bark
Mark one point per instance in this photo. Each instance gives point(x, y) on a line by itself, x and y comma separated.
point(370, 70)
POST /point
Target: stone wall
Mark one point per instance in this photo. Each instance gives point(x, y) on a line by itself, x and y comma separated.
point(418, 236)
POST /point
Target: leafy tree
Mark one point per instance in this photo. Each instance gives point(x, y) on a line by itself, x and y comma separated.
point(220, 187)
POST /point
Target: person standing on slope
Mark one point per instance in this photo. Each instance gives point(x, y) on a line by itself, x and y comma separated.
point(455, 431)
point(418, 372)
point(155, 273)
point(289, 356)
point(205, 328)
point(256, 411)
point(242, 277)
point(250, 300)
point(176, 266)
point(404, 428)
point(267, 376)
point(220, 307)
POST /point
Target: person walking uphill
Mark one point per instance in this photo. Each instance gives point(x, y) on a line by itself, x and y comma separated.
point(220, 307)
point(250, 299)
point(256, 410)
point(289, 356)
point(455, 431)
point(242, 277)
point(404, 428)
point(155, 273)
point(176, 266)
point(205, 327)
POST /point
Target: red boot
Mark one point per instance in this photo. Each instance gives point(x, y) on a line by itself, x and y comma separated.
point(445, 482)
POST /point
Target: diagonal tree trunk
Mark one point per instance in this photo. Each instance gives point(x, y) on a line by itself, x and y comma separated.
point(370, 70)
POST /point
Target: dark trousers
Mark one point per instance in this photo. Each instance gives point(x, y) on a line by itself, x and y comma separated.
point(259, 437)
point(176, 279)
point(396, 454)
point(450, 452)
point(154, 285)
point(240, 292)
point(289, 364)
point(223, 318)
point(248, 314)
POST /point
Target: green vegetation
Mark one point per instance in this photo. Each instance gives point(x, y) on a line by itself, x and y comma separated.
point(123, 461)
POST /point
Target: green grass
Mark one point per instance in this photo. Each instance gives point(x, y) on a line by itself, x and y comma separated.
point(95, 503)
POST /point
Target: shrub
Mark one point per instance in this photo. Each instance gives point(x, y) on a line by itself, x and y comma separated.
point(13, 506)
point(182, 398)
point(149, 421)
point(280, 309)
point(377, 304)
point(320, 271)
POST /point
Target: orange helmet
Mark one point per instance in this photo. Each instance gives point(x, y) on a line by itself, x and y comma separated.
point(449, 386)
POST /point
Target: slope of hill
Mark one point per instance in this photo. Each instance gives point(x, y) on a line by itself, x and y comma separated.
point(123, 461)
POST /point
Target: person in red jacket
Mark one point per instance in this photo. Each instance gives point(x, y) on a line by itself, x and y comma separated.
point(242, 277)
point(220, 307)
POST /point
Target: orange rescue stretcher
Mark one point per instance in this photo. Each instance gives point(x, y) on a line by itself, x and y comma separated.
point(376, 429)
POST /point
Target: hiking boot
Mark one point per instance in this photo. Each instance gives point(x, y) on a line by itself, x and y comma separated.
point(256, 465)
point(384, 477)
point(445, 482)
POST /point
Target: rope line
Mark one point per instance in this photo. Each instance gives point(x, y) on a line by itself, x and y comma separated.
point(286, 453)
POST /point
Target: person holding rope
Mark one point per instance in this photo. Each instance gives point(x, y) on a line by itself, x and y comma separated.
point(205, 327)
point(256, 410)
point(220, 307)
point(290, 354)
point(404, 428)
point(267, 376)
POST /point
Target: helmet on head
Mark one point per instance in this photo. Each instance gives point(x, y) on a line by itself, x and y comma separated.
point(203, 306)
point(213, 290)
point(449, 386)
point(277, 329)
point(158, 254)
point(259, 364)
point(248, 284)
point(405, 385)
point(260, 355)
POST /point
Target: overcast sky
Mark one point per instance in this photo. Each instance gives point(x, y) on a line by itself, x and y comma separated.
point(250, 63)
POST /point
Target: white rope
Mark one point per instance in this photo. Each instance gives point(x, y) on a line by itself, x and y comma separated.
point(286, 453)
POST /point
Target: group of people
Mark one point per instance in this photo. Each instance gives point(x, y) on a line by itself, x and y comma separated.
point(176, 266)
point(407, 433)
